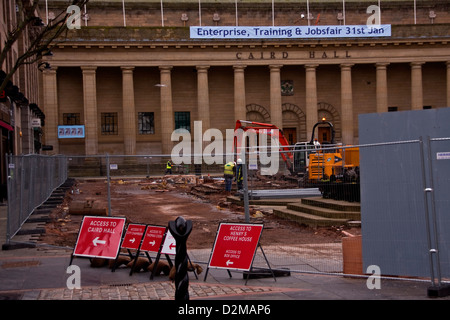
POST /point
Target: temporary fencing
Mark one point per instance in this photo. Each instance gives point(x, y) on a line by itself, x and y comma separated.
point(31, 180)
point(397, 209)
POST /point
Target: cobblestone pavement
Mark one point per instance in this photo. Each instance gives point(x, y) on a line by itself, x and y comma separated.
point(41, 274)
point(164, 290)
point(26, 273)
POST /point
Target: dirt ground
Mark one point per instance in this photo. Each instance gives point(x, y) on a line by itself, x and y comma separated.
point(157, 201)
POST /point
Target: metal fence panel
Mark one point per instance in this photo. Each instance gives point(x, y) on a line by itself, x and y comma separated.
point(311, 257)
point(393, 220)
point(439, 159)
point(401, 229)
point(31, 181)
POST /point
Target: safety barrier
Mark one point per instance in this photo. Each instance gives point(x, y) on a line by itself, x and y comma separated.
point(412, 168)
point(31, 180)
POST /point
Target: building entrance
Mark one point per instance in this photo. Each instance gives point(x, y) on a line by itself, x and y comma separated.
point(324, 134)
point(290, 135)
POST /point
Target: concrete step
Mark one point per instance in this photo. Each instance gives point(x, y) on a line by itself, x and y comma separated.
point(263, 202)
point(32, 228)
point(332, 204)
point(308, 219)
point(38, 218)
point(324, 212)
point(54, 201)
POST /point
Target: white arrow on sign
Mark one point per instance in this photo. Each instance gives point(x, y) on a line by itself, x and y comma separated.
point(152, 243)
point(97, 241)
point(229, 262)
point(132, 240)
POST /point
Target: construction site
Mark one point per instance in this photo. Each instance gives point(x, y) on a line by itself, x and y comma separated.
point(288, 140)
point(303, 211)
point(311, 211)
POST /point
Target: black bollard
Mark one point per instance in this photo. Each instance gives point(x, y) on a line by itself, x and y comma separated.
point(180, 230)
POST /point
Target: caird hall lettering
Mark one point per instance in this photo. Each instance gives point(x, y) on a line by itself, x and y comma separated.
point(326, 55)
point(285, 55)
point(261, 55)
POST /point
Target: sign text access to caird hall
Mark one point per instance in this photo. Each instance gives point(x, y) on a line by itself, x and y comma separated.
point(99, 237)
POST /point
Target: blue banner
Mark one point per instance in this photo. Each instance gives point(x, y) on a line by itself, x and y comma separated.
point(291, 32)
point(76, 131)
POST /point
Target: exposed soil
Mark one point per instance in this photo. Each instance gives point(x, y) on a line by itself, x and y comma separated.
point(158, 201)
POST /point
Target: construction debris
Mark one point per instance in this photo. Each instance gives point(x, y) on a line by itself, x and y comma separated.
point(88, 207)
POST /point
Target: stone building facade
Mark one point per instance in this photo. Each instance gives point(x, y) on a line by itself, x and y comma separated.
point(132, 75)
point(21, 117)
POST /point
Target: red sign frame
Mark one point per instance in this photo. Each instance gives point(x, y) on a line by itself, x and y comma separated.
point(133, 236)
point(235, 246)
point(153, 238)
point(99, 237)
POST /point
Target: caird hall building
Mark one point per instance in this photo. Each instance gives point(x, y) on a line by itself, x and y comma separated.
point(136, 70)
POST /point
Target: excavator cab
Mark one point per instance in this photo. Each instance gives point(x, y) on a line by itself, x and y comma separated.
point(304, 151)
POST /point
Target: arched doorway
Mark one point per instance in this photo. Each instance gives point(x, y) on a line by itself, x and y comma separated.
point(294, 123)
point(258, 113)
point(328, 113)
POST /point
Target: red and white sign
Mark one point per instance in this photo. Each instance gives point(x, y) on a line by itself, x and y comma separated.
point(169, 245)
point(153, 238)
point(235, 246)
point(99, 237)
point(133, 236)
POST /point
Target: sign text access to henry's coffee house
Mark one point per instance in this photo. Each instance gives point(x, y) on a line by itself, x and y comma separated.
point(235, 246)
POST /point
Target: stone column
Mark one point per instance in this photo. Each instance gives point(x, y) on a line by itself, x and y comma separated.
point(416, 86)
point(240, 111)
point(50, 100)
point(311, 98)
point(167, 117)
point(346, 103)
point(448, 83)
point(276, 116)
point(201, 140)
point(382, 89)
point(90, 110)
point(203, 96)
point(129, 111)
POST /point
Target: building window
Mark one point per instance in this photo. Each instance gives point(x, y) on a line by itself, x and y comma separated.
point(392, 109)
point(70, 119)
point(183, 120)
point(146, 122)
point(109, 123)
point(427, 107)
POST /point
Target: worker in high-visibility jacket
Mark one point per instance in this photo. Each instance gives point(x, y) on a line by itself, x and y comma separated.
point(239, 174)
point(229, 173)
point(169, 167)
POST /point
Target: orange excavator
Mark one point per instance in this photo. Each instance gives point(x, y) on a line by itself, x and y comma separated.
point(306, 158)
point(270, 130)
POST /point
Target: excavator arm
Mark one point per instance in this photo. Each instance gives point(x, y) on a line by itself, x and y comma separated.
point(267, 128)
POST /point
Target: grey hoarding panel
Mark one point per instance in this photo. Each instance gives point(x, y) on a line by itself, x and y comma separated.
point(393, 215)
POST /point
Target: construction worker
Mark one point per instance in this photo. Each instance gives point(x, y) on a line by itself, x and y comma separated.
point(316, 144)
point(169, 167)
point(229, 173)
point(239, 174)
